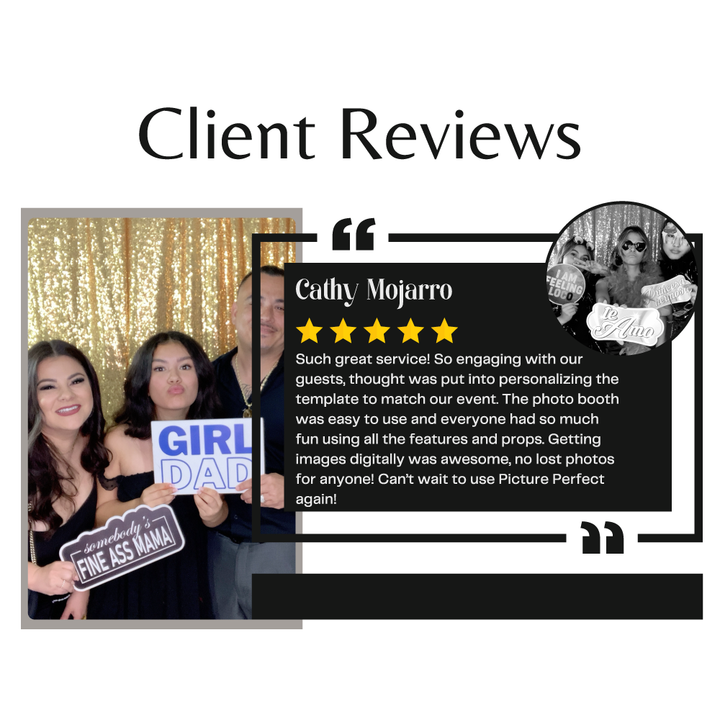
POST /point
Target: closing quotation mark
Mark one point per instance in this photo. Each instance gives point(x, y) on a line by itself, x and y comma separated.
point(364, 240)
point(614, 544)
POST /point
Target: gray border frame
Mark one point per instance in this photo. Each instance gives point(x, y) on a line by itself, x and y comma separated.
point(27, 214)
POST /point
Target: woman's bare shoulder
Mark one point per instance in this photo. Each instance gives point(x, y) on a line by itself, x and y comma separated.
point(129, 454)
point(116, 439)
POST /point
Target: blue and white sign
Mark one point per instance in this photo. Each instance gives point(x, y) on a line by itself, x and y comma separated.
point(192, 454)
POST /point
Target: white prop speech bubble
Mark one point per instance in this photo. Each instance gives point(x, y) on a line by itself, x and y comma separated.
point(637, 325)
point(677, 290)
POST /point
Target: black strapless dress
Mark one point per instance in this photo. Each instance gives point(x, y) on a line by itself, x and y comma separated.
point(174, 588)
point(51, 607)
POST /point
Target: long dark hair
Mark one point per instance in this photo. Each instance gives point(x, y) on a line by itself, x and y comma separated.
point(138, 410)
point(571, 243)
point(46, 469)
point(685, 265)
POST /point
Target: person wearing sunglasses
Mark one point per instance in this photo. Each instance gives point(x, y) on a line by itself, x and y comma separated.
point(632, 268)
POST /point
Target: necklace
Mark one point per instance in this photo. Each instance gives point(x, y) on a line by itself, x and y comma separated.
point(247, 412)
point(68, 454)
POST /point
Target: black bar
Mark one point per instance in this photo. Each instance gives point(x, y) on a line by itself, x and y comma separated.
point(697, 534)
point(418, 537)
point(287, 237)
point(471, 237)
point(479, 597)
point(257, 240)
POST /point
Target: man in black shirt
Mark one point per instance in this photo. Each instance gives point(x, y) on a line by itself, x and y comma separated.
point(233, 556)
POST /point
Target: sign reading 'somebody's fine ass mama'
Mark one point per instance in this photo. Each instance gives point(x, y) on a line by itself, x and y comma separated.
point(193, 454)
point(125, 543)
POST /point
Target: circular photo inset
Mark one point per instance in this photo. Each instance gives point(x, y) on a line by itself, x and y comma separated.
point(622, 279)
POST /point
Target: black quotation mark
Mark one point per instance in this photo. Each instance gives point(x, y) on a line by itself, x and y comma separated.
point(615, 542)
point(364, 240)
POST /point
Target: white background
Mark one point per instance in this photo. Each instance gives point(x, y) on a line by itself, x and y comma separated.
point(640, 80)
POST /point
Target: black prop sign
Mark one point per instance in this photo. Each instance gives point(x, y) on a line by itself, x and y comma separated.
point(141, 536)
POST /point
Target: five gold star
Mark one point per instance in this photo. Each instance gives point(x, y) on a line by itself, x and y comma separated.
point(410, 331)
point(377, 331)
point(444, 331)
point(309, 331)
point(342, 331)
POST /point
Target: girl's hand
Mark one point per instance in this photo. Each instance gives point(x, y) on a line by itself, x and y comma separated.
point(211, 506)
point(594, 267)
point(157, 494)
point(567, 312)
point(76, 606)
point(53, 579)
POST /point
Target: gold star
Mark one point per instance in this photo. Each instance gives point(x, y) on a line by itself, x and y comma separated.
point(342, 331)
point(444, 331)
point(410, 331)
point(377, 331)
point(309, 331)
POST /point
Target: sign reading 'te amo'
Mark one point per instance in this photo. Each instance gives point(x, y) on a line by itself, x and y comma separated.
point(637, 325)
point(192, 454)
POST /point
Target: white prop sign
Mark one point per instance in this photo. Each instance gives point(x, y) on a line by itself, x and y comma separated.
point(677, 290)
point(192, 454)
point(637, 325)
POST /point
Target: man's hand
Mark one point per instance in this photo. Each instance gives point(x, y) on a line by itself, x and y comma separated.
point(272, 491)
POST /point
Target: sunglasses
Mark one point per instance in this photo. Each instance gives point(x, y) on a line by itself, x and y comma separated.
point(639, 246)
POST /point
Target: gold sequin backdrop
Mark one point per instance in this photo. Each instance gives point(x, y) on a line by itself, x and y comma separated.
point(604, 225)
point(108, 284)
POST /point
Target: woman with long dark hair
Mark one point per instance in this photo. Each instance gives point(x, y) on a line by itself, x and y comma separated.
point(580, 253)
point(677, 258)
point(65, 456)
point(170, 378)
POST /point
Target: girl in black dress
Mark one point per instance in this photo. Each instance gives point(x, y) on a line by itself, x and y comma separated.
point(170, 378)
point(580, 253)
point(65, 455)
point(677, 258)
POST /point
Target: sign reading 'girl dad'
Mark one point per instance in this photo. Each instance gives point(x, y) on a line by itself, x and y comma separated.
point(192, 454)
